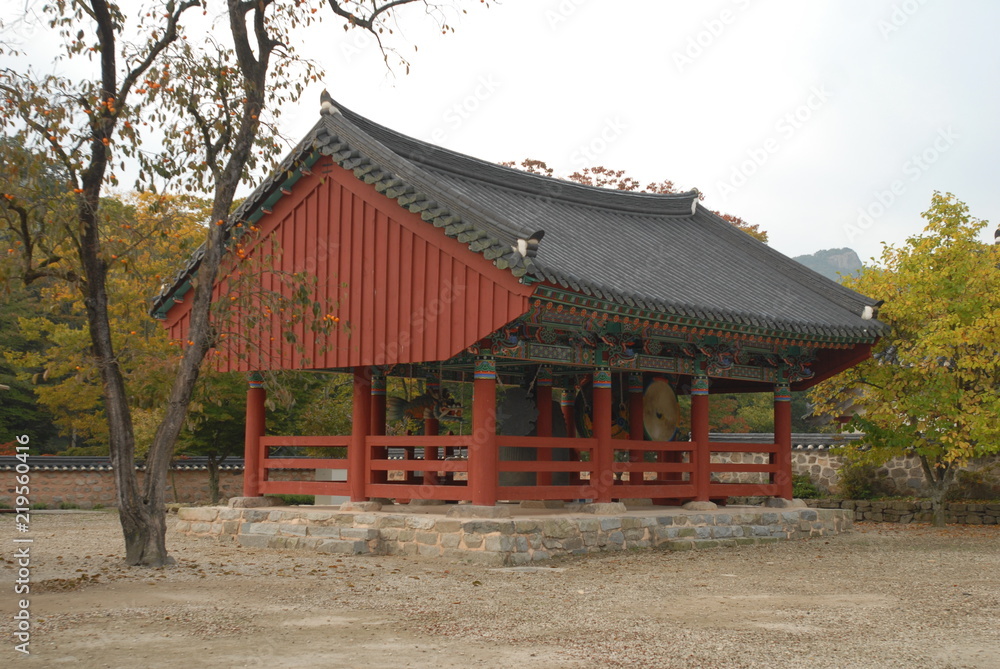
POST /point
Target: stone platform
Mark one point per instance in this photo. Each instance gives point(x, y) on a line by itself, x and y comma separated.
point(527, 535)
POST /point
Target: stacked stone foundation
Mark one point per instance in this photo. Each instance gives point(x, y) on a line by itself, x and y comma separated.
point(505, 541)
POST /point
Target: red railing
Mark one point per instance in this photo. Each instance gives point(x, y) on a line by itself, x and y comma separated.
point(671, 475)
point(268, 463)
point(544, 450)
point(443, 479)
point(717, 489)
point(673, 471)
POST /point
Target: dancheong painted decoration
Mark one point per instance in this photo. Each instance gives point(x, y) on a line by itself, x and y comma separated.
point(587, 307)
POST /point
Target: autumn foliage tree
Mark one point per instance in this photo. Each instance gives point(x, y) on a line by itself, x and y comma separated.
point(210, 106)
point(144, 235)
point(932, 387)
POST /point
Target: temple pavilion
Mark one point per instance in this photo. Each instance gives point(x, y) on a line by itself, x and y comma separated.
point(426, 263)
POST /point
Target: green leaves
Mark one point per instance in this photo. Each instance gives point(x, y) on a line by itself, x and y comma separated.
point(933, 386)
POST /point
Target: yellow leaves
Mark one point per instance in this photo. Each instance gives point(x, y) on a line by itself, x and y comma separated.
point(939, 386)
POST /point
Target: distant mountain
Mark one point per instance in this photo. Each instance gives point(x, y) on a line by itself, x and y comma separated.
point(833, 263)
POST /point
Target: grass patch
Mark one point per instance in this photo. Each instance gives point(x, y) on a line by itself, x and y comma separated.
point(296, 499)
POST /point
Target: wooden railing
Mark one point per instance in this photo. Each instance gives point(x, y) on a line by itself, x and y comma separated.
point(772, 469)
point(436, 467)
point(578, 453)
point(268, 463)
point(443, 478)
point(673, 471)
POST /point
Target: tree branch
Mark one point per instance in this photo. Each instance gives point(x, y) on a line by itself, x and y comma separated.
point(369, 23)
point(169, 35)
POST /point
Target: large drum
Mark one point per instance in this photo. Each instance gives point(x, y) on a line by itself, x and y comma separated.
point(660, 411)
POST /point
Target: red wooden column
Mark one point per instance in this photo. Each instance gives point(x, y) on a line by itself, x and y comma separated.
point(636, 423)
point(255, 426)
point(783, 440)
point(431, 427)
point(699, 435)
point(543, 425)
point(377, 427)
point(358, 458)
point(602, 476)
point(483, 454)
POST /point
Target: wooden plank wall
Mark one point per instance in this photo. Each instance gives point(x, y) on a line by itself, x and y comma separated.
point(402, 290)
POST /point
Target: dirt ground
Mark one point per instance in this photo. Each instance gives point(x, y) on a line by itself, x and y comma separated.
point(881, 596)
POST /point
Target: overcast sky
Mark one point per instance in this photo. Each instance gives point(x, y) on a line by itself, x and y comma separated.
point(827, 123)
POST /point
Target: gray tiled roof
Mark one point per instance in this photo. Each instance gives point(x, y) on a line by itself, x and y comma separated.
point(664, 253)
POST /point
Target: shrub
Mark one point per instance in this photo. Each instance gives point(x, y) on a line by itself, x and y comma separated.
point(297, 499)
point(862, 480)
point(804, 488)
point(976, 484)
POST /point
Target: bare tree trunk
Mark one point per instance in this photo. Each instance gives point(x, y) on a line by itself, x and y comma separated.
point(939, 478)
point(213, 477)
point(199, 335)
point(143, 517)
point(137, 515)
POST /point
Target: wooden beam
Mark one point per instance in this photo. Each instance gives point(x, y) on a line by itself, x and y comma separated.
point(255, 427)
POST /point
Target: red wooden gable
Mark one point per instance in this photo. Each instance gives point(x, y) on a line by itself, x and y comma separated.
point(402, 290)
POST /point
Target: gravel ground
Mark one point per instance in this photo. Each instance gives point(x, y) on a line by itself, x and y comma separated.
point(882, 596)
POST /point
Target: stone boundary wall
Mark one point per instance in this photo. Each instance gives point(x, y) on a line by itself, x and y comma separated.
point(912, 512)
point(505, 541)
point(87, 489)
point(901, 473)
